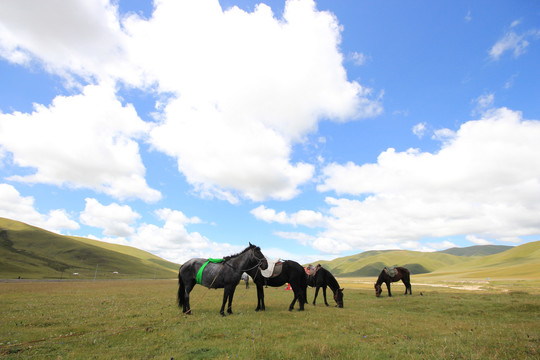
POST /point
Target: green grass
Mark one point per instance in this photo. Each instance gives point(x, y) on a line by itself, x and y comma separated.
point(139, 319)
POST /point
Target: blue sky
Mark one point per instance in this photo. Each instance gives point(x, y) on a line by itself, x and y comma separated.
point(312, 129)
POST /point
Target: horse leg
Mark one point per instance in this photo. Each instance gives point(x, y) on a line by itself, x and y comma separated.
point(231, 295)
point(260, 298)
point(316, 293)
point(297, 296)
point(388, 287)
point(408, 287)
point(324, 294)
point(186, 306)
point(300, 296)
point(226, 291)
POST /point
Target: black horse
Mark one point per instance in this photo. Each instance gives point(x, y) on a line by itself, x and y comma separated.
point(322, 279)
point(225, 274)
point(401, 274)
point(292, 273)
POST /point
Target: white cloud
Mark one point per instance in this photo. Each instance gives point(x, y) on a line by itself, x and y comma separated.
point(513, 42)
point(302, 238)
point(21, 208)
point(86, 140)
point(443, 245)
point(478, 241)
point(114, 219)
point(307, 218)
point(359, 58)
point(173, 242)
point(245, 86)
point(483, 182)
point(419, 129)
point(255, 87)
point(484, 102)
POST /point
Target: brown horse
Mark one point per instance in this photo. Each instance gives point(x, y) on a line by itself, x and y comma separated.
point(401, 274)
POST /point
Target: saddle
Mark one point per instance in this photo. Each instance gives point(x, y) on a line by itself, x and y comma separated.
point(391, 270)
point(274, 268)
point(312, 270)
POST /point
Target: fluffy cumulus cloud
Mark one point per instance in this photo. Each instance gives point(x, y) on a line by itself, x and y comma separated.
point(86, 140)
point(73, 37)
point(13, 205)
point(255, 87)
point(114, 219)
point(307, 218)
point(483, 183)
point(243, 88)
point(173, 241)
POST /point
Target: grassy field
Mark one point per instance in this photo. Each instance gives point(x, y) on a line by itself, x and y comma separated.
point(139, 319)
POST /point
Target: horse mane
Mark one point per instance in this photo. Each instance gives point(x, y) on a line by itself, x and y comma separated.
point(251, 246)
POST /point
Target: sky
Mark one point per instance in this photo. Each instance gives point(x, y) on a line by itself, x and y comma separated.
point(313, 129)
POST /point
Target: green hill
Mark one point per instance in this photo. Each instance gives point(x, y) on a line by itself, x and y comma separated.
point(477, 250)
point(370, 263)
point(520, 262)
point(31, 252)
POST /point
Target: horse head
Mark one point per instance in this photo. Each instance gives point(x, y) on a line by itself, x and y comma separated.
point(257, 254)
point(338, 297)
point(378, 290)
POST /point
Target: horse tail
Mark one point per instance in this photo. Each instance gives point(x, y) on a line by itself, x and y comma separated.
point(181, 290)
point(407, 275)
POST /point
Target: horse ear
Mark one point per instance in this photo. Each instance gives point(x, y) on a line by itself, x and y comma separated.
point(250, 244)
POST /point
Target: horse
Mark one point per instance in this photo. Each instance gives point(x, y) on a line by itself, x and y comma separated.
point(224, 274)
point(292, 273)
point(401, 274)
point(323, 278)
point(245, 278)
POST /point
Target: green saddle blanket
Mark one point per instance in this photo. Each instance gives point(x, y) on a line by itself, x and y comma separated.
point(199, 273)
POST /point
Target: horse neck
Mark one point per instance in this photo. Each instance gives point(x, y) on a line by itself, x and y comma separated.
point(380, 280)
point(332, 282)
point(242, 261)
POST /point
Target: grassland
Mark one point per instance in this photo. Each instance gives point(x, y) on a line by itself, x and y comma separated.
point(139, 319)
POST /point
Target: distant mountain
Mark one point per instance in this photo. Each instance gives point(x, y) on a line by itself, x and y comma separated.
point(519, 262)
point(472, 262)
point(30, 252)
point(478, 250)
point(370, 263)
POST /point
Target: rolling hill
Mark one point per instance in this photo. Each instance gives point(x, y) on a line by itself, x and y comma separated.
point(520, 262)
point(30, 252)
point(477, 250)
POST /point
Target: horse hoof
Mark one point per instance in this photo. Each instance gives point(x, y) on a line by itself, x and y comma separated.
point(222, 314)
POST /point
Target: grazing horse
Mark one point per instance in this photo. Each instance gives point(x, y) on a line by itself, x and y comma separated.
point(223, 273)
point(323, 278)
point(401, 274)
point(292, 273)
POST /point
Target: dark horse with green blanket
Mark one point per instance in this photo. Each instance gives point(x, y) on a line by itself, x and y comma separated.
point(392, 275)
point(218, 273)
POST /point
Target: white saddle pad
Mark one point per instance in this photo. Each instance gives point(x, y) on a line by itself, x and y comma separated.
point(270, 269)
